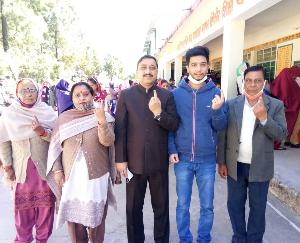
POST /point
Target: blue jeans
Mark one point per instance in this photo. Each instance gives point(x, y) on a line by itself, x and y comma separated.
point(205, 178)
point(253, 231)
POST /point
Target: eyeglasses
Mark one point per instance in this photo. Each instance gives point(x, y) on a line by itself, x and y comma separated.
point(144, 68)
point(27, 91)
point(255, 81)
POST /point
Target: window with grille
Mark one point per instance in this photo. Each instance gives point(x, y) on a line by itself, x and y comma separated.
point(217, 66)
point(247, 57)
point(267, 58)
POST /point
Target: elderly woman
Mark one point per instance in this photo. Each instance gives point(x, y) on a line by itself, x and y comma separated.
point(81, 157)
point(25, 128)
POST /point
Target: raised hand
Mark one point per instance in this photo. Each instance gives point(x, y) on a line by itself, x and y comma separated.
point(36, 126)
point(259, 110)
point(218, 101)
point(155, 104)
point(100, 113)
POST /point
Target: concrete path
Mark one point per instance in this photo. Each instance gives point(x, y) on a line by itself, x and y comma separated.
point(283, 225)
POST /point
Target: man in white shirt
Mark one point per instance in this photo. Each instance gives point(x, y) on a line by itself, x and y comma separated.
point(246, 156)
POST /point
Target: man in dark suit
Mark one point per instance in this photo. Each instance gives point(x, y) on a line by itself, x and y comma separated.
point(245, 154)
point(145, 114)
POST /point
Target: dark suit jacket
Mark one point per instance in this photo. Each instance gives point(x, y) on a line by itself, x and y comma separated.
point(262, 163)
point(140, 139)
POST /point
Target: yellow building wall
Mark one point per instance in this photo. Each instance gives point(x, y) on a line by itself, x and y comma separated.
point(264, 35)
point(207, 16)
point(272, 32)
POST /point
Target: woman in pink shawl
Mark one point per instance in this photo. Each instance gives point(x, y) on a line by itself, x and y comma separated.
point(25, 128)
point(81, 157)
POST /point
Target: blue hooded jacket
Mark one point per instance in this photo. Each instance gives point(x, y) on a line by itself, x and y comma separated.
point(196, 137)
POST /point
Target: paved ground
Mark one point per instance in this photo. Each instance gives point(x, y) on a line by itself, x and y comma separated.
point(287, 167)
point(283, 225)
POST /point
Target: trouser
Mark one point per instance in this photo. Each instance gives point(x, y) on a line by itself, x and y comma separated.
point(25, 219)
point(82, 234)
point(204, 172)
point(237, 196)
point(135, 194)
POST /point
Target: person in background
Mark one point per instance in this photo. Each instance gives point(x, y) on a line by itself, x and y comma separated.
point(81, 157)
point(45, 93)
point(112, 101)
point(286, 88)
point(98, 93)
point(164, 84)
point(25, 128)
point(131, 83)
point(63, 98)
point(172, 84)
point(52, 97)
point(184, 77)
point(246, 155)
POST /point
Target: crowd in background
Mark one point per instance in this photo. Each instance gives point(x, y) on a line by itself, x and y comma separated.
point(91, 136)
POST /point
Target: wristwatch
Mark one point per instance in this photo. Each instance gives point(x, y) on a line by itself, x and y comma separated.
point(157, 117)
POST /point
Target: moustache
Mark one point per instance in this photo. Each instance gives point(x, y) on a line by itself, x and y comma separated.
point(148, 75)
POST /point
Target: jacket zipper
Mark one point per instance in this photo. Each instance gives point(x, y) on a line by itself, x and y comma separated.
point(194, 125)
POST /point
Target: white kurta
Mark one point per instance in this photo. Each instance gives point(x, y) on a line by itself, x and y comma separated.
point(83, 200)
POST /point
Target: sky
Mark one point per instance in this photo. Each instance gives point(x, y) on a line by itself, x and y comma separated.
point(119, 27)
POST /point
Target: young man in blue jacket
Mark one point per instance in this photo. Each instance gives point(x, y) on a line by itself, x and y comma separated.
point(192, 149)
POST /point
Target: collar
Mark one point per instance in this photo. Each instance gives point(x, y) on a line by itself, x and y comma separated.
point(144, 90)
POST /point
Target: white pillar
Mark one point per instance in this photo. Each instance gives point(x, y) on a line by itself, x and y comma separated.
point(160, 72)
point(167, 71)
point(232, 56)
point(178, 69)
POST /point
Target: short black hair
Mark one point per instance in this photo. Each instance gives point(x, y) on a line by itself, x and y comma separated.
point(90, 89)
point(146, 57)
point(256, 68)
point(197, 51)
point(164, 81)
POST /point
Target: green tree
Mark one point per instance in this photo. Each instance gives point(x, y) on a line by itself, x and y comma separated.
point(90, 64)
point(113, 67)
point(45, 38)
point(131, 76)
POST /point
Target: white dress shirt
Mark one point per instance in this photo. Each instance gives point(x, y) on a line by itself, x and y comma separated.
point(248, 123)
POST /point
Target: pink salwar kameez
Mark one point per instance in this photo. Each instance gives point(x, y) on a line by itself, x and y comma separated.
point(34, 206)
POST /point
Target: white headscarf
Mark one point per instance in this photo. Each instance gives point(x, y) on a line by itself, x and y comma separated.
point(16, 120)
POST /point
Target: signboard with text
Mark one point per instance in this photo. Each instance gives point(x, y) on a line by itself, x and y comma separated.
point(284, 57)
